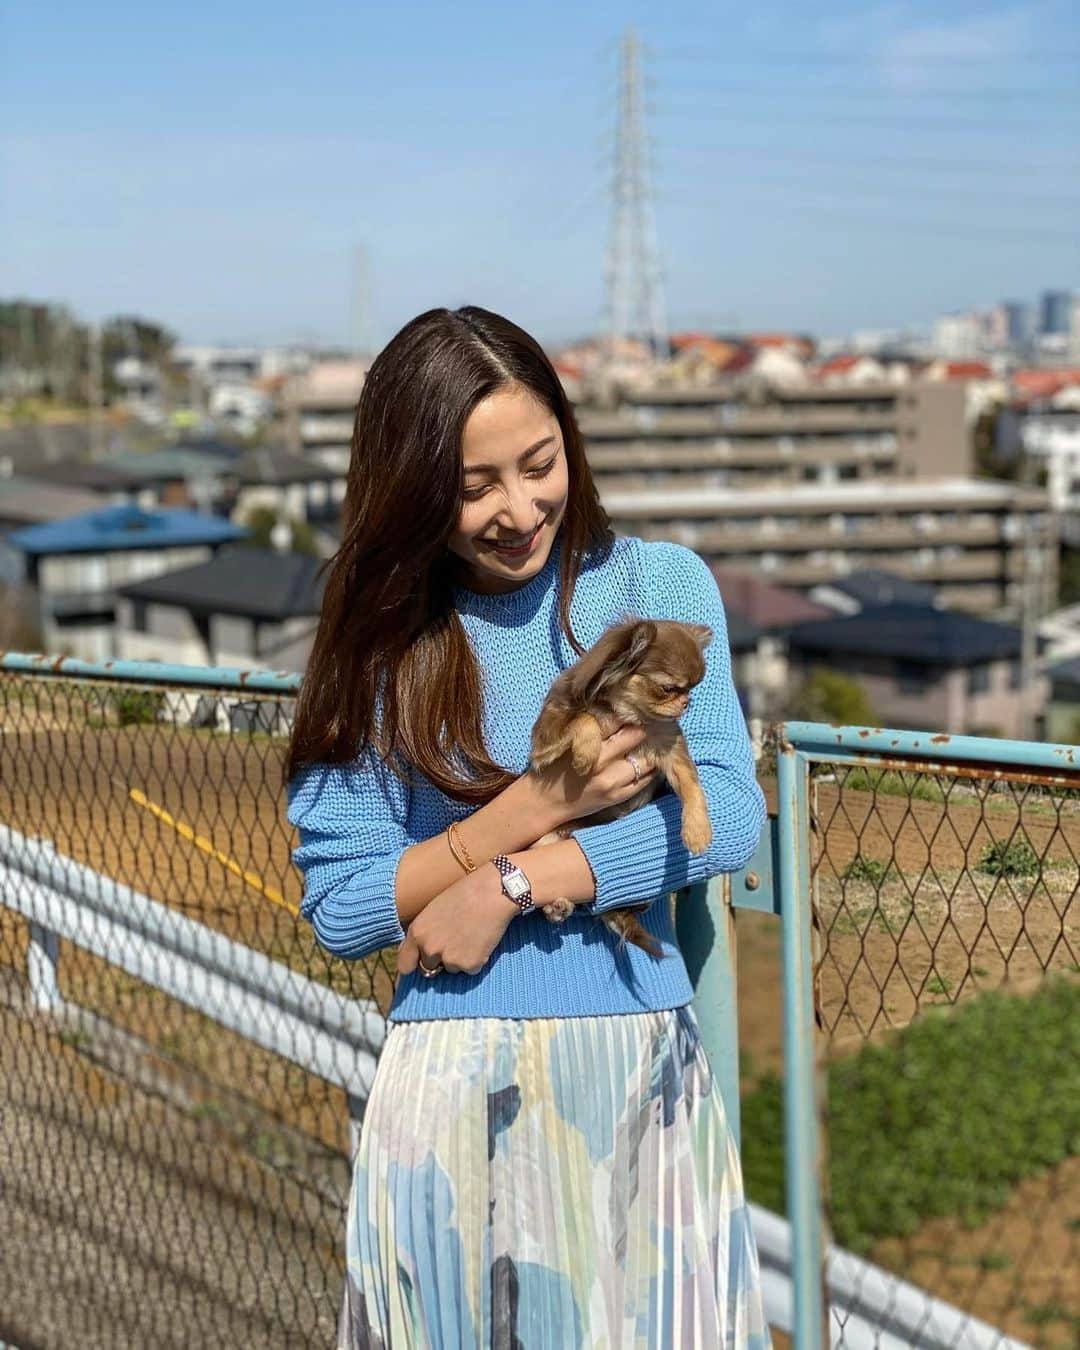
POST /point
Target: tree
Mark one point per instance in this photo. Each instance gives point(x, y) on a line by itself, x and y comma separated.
point(260, 520)
point(830, 696)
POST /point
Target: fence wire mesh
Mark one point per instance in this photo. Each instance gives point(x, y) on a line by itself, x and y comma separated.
point(946, 958)
point(173, 1172)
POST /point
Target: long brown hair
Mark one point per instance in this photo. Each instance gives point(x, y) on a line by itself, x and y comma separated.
point(391, 665)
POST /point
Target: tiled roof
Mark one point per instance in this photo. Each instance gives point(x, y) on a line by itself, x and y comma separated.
point(26, 501)
point(113, 528)
point(240, 580)
point(915, 633)
point(877, 586)
point(762, 604)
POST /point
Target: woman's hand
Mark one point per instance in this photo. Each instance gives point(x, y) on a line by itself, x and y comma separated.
point(460, 926)
point(563, 794)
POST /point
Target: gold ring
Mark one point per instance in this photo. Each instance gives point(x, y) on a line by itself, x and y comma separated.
point(635, 766)
point(424, 970)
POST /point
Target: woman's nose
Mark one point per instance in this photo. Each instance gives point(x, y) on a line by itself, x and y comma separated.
point(522, 512)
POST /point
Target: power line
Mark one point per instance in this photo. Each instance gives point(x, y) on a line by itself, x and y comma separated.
point(877, 90)
point(950, 165)
point(857, 120)
point(761, 174)
point(734, 208)
point(808, 60)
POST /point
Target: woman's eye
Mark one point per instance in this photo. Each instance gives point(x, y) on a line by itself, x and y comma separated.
point(541, 471)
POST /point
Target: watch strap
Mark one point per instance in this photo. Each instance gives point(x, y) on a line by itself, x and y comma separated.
point(524, 902)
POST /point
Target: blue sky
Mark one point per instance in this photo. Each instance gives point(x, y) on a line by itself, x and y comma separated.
point(216, 167)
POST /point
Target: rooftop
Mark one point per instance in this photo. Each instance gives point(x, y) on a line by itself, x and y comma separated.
point(26, 501)
point(762, 604)
point(111, 528)
point(240, 580)
point(916, 633)
point(877, 586)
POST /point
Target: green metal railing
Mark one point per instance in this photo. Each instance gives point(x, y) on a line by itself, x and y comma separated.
point(185, 1067)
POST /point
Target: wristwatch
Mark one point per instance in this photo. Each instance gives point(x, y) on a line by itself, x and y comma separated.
point(515, 883)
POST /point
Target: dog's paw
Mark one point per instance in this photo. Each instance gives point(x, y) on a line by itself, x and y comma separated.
point(585, 748)
point(559, 910)
point(696, 833)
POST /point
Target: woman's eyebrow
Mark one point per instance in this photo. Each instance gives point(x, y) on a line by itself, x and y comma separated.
point(494, 468)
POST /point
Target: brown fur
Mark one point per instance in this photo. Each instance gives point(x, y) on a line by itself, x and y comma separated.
point(620, 679)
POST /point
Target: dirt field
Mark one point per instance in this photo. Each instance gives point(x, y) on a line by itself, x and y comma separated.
point(933, 930)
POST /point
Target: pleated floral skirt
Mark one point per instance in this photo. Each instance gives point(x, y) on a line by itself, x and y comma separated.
point(548, 1183)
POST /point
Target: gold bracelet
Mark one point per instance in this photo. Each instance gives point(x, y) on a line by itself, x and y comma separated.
point(457, 847)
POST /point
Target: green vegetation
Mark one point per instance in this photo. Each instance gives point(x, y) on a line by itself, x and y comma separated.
point(891, 782)
point(1002, 859)
point(1069, 576)
point(942, 1120)
point(830, 696)
point(137, 707)
point(868, 869)
point(260, 520)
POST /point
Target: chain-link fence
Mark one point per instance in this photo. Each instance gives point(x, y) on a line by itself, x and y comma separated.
point(183, 1067)
point(945, 949)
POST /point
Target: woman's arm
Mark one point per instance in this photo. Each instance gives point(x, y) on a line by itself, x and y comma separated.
point(364, 880)
point(513, 820)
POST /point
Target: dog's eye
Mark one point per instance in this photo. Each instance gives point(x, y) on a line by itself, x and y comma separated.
point(671, 688)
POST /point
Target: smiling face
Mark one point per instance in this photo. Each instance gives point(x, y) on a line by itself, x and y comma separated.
point(516, 486)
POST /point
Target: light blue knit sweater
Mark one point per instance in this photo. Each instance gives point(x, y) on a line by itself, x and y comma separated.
point(355, 820)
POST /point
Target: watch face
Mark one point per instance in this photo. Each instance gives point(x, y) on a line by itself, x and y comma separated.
point(516, 885)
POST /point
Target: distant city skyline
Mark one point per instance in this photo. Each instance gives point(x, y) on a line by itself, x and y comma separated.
point(866, 169)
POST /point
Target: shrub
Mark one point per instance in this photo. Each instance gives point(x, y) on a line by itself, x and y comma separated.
point(137, 707)
point(943, 1120)
point(1002, 859)
point(868, 869)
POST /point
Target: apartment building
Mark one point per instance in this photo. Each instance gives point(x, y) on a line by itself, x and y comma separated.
point(973, 541)
point(722, 437)
point(318, 409)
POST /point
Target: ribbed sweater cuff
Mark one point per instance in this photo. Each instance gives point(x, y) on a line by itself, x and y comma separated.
point(360, 915)
point(641, 855)
point(638, 856)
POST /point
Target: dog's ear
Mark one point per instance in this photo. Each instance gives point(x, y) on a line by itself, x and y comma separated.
point(702, 634)
point(616, 655)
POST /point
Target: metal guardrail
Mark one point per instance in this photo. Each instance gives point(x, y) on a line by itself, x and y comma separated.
point(110, 763)
point(338, 1040)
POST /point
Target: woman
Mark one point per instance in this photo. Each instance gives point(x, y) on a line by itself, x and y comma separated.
point(544, 1160)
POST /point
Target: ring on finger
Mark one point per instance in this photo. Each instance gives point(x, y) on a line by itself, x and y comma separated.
point(424, 970)
point(635, 766)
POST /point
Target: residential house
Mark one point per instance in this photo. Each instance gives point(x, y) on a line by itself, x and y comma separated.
point(925, 668)
point(77, 563)
point(869, 587)
point(246, 607)
point(1063, 708)
point(761, 671)
point(25, 501)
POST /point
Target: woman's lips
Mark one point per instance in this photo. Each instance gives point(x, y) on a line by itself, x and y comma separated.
point(516, 551)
